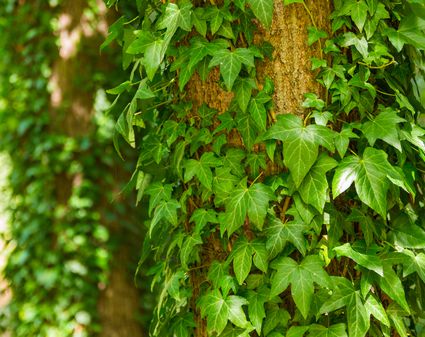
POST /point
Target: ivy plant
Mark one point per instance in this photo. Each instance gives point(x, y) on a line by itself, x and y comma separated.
point(288, 225)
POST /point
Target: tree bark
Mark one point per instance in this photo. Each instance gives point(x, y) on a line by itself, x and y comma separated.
point(290, 70)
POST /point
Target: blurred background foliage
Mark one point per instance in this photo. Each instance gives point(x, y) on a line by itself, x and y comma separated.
point(67, 234)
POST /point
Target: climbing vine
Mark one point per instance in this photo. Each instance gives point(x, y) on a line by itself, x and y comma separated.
point(271, 224)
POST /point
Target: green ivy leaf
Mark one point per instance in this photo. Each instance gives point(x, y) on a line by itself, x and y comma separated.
point(336, 330)
point(384, 126)
point(301, 277)
point(184, 325)
point(263, 10)
point(297, 331)
point(248, 130)
point(243, 91)
point(369, 175)
point(230, 63)
point(219, 310)
point(278, 233)
point(154, 54)
point(166, 210)
point(175, 17)
point(201, 217)
point(214, 307)
point(256, 311)
point(233, 159)
point(260, 255)
point(342, 139)
point(158, 192)
point(390, 283)
point(202, 169)
point(375, 308)
point(397, 315)
point(369, 261)
point(314, 188)
point(201, 47)
point(315, 35)
point(300, 143)
point(358, 12)
point(253, 200)
point(414, 263)
point(346, 295)
point(223, 184)
point(188, 249)
point(216, 17)
point(258, 113)
point(242, 259)
point(409, 236)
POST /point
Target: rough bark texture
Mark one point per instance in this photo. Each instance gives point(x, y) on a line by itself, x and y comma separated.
point(208, 92)
point(290, 70)
point(72, 100)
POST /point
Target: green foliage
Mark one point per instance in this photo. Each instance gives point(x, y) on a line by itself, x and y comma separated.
point(287, 226)
point(60, 248)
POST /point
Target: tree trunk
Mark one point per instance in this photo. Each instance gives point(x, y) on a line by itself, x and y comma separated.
point(290, 70)
point(72, 101)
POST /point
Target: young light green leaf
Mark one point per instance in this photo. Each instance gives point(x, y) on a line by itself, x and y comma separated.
point(236, 313)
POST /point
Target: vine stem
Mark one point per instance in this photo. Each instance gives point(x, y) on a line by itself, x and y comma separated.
point(378, 67)
point(310, 14)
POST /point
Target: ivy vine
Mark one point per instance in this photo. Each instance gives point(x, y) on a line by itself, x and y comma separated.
point(287, 225)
